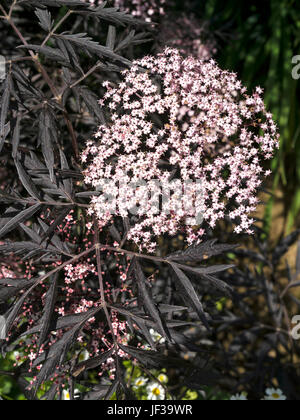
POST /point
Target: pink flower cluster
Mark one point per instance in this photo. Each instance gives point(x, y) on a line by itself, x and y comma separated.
point(6, 273)
point(145, 9)
point(171, 113)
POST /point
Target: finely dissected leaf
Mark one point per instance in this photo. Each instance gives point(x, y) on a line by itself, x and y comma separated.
point(33, 162)
point(5, 134)
point(57, 3)
point(24, 84)
point(11, 211)
point(70, 54)
point(58, 351)
point(128, 313)
point(205, 272)
point(48, 309)
point(147, 358)
point(28, 250)
point(49, 52)
point(9, 199)
point(220, 285)
point(111, 37)
point(201, 252)
point(4, 106)
point(16, 137)
point(151, 358)
point(68, 184)
point(48, 134)
point(142, 321)
point(6, 292)
point(190, 294)
point(19, 218)
point(171, 308)
point(132, 39)
point(16, 309)
point(61, 323)
point(97, 393)
point(84, 42)
point(148, 303)
point(125, 42)
point(44, 19)
point(51, 230)
point(91, 363)
point(115, 16)
point(55, 240)
point(18, 282)
point(27, 181)
point(91, 101)
point(31, 233)
point(214, 269)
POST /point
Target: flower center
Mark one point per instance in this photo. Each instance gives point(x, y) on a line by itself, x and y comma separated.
point(276, 396)
point(156, 391)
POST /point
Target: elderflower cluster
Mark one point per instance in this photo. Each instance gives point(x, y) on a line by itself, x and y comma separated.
point(145, 9)
point(175, 117)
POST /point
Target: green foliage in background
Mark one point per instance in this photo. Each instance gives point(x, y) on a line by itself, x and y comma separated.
point(9, 389)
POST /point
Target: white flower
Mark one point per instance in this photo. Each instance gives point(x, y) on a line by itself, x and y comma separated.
point(32, 356)
point(273, 394)
point(155, 392)
point(139, 382)
point(18, 358)
point(66, 396)
point(83, 356)
point(157, 337)
point(162, 378)
point(239, 397)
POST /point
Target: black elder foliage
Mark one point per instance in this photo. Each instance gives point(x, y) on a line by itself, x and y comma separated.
point(58, 53)
point(254, 335)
